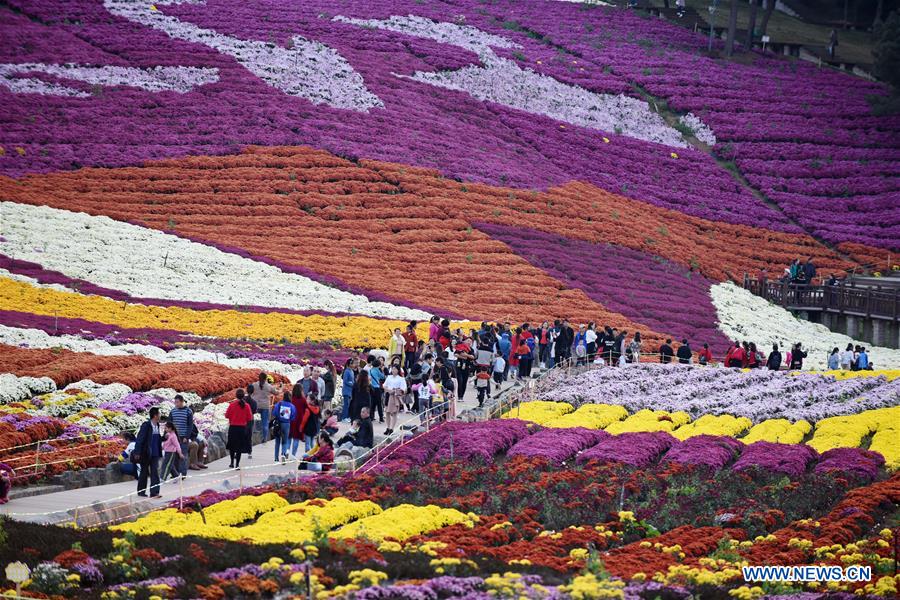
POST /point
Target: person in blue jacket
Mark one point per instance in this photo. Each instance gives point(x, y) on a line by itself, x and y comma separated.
point(283, 414)
point(504, 345)
point(147, 452)
point(348, 379)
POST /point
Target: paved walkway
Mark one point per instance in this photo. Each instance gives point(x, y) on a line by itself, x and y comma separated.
point(101, 504)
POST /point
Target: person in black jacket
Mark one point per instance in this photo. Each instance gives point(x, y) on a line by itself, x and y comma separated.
point(773, 363)
point(147, 452)
point(363, 436)
point(362, 395)
point(564, 342)
point(797, 356)
point(684, 353)
point(666, 353)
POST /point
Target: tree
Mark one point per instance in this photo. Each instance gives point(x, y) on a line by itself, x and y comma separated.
point(732, 28)
point(751, 25)
point(887, 52)
point(878, 8)
point(770, 8)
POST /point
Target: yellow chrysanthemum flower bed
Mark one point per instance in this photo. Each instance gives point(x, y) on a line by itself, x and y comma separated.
point(781, 431)
point(278, 522)
point(714, 425)
point(402, 522)
point(890, 374)
point(589, 587)
point(592, 416)
point(850, 430)
point(650, 420)
point(539, 411)
point(886, 440)
point(349, 331)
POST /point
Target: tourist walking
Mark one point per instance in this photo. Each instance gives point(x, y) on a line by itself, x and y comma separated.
point(361, 395)
point(544, 341)
point(283, 414)
point(172, 455)
point(797, 356)
point(329, 383)
point(590, 339)
point(847, 357)
point(262, 395)
point(309, 424)
point(410, 345)
point(395, 388)
point(248, 397)
point(239, 417)
point(666, 353)
point(684, 354)
point(376, 378)
point(753, 359)
point(296, 435)
point(348, 381)
point(147, 452)
point(395, 345)
point(183, 419)
point(634, 348)
point(705, 357)
point(773, 363)
point(834, 359)
point(465, 361)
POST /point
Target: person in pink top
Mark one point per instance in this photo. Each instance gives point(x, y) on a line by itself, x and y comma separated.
point(171, 448)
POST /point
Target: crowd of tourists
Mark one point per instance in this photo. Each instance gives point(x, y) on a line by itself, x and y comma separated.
point(424, 377)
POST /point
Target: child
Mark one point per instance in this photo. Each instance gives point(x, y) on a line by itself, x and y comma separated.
point(483, 384)
point(126, 466)
point(171, 448)
point(424, 392)
point(499, 369)
point(331, 424)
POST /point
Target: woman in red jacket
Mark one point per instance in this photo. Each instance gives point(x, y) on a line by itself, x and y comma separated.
point(322, 457)
point(299, 402)
point(239, 416)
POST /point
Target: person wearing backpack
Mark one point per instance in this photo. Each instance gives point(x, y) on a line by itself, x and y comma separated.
point(482, 385)
point(773, 363)
point(283, 414)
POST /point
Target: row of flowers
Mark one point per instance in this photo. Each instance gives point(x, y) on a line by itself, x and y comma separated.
point(660, 429)
point(660, 294)
point(65, 367)
point(136, 262)
point(706, 442)
point(113, 345)
point(757, 394)
point(163, 345)
point(785, 149)
point(270, 519)
point(346, 331)
point(422, 213)
point(586, 532)
point(400, 79)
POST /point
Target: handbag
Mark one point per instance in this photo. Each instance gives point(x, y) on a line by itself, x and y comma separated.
point(275, 427)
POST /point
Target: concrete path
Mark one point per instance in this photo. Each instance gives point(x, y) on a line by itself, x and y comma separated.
point(101, 505)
